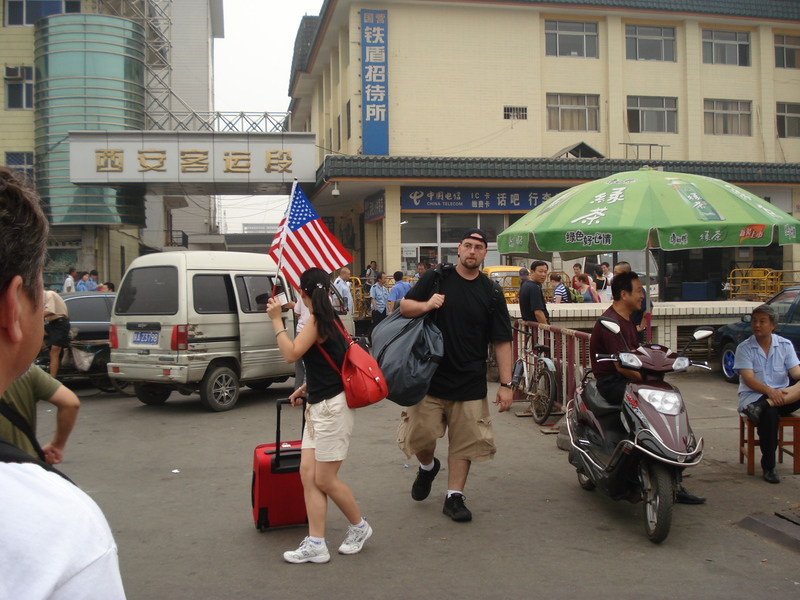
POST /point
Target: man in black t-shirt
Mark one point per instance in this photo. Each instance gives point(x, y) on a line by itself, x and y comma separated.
point(471, 312)
point(531, 298)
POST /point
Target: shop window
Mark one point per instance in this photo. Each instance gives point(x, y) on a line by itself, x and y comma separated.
point(788, 120)
point(649, 114)
point(454, 226)
point(787, 51)
point(571, 112)
point(726, 47)
point(27, 12)
point(19, 88)
point(418, 229)
point(570, 38)
point(644, 42)
point(727, 117)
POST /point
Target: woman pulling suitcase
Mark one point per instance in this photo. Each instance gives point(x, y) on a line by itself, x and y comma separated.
point(329, 421)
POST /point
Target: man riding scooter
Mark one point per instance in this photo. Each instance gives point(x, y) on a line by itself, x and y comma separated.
point(627, 293)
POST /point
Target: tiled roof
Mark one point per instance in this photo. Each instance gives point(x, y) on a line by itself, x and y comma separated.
point(510, 169)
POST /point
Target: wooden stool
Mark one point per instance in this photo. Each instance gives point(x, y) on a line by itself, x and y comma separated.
point(748, 441)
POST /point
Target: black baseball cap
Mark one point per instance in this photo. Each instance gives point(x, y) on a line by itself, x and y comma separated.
point(523, 272)
point(476, 234)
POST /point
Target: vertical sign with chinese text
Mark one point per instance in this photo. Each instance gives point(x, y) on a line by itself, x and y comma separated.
point(374, 83)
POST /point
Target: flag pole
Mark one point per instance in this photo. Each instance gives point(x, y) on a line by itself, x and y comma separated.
point(283, 234)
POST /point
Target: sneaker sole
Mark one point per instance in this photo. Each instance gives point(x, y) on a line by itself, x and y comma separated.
point(459, 520)
point(314, 559)
point(369, 535)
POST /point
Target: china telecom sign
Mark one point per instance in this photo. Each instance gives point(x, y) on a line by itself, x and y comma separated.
point(374, 83)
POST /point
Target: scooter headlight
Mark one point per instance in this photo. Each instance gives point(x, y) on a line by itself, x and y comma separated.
point(668, 403)
point(681, 364)
point(629, 361)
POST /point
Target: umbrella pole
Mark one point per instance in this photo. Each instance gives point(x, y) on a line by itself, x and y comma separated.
point(648, 300)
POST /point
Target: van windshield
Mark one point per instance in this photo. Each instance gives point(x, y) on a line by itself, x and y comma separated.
point(148, 291)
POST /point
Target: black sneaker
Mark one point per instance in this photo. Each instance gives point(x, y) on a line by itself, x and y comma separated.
point(753, 412)
point(455, 508)
point(424, 480)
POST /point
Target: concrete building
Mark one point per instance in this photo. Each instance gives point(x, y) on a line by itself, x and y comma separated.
point(435, 116)
point(106, 65)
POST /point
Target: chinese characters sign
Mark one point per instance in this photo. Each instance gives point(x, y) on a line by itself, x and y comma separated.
point(472, 199)
point(374, 208)
point(171, 160)
point(374, 83)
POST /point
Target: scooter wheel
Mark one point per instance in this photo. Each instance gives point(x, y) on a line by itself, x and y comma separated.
point(658, 496)
point(585, 481)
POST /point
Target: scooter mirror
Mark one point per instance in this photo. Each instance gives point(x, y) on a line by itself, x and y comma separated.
point(702, 333)
point(610, 324)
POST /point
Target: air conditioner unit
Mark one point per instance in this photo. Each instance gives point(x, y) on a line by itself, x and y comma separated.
point(13, 72)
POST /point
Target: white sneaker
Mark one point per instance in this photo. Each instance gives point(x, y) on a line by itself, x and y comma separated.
point(355, 538)
point(308, 552)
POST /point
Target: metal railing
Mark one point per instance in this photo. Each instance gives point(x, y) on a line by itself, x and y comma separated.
point(759, 284)
point(569, 350)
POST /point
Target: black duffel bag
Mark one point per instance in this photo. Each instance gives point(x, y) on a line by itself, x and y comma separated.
point(408, 352)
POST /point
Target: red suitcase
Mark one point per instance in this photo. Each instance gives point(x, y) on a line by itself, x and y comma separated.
point(277, 492)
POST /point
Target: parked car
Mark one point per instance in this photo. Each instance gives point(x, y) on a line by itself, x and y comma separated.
point(89, 313)
point(195, 321)
point(731, 335)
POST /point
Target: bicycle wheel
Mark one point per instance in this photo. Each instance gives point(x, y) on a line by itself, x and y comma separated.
point(541, 392)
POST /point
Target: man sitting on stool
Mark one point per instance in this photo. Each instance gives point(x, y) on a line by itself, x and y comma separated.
point(764, 362)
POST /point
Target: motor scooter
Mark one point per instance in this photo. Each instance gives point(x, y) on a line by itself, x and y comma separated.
point(636, 451)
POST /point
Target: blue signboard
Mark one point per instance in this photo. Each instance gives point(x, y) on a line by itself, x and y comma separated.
point(374, 208)
point(374, 83)
point(441, 199)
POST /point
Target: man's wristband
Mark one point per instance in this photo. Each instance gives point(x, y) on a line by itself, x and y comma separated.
point(508, 385)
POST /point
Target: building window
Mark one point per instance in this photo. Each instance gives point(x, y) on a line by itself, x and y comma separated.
point(648, 114)
point(515, 112)
point(19, 88)
point(570, 38)
point(726, 47)
point(727, 117)
point(21, 163)
point(571, 112)
point(27, 12)
point(787, 51)
point(788, 120)
point(349, 122)
point(644, 42)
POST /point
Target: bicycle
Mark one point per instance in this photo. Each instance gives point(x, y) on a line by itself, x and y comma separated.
point(534, 375)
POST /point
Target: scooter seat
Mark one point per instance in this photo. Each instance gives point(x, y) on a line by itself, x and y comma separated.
point(597, 404)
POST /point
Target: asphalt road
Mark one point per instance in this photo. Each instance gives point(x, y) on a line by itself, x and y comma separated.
point(174, 483)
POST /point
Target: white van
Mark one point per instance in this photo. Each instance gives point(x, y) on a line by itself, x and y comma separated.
point(195, 321)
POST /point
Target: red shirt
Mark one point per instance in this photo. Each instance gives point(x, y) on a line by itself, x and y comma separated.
point(605, 342)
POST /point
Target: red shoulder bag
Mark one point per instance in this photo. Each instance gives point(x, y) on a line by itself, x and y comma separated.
point(362, 379)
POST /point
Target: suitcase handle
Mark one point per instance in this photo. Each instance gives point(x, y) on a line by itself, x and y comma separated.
point(280, 402)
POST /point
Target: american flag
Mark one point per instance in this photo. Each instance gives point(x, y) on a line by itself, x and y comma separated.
point(303, 241)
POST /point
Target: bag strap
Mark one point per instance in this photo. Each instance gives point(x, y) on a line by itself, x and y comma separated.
point(347, 339)
point(9, 453)
point(18, 421)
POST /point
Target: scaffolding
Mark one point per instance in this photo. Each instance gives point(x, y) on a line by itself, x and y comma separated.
point(165, 109)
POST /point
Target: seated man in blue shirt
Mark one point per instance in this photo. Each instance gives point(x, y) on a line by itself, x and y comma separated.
point(764, 362)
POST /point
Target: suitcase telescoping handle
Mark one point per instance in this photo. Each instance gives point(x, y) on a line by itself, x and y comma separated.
point(278, 404)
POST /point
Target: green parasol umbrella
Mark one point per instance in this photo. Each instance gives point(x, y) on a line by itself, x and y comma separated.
point(635, 210)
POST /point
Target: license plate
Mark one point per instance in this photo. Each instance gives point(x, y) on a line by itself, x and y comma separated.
point(145, 337)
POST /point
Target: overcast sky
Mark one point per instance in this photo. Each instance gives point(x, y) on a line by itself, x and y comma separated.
point(252, 65)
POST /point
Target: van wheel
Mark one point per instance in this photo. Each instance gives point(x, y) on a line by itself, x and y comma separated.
point(219, 389)
point(152, 394)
